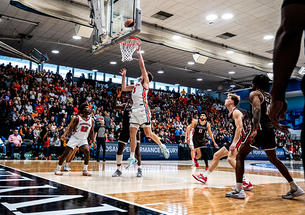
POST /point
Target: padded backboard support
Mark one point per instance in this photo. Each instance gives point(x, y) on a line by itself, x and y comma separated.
point(108, 18)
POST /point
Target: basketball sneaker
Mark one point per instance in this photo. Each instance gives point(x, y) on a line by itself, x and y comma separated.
point(247, 186)
point(67, 168)
point(207, 168)
point(58, 172)
point(200, 178)
point(196, 164)
point(164, 151)
point(293, 193)
point(236, 194)
point(139, 173)
point(117, 173)
point(86, 173)
point(131, 161)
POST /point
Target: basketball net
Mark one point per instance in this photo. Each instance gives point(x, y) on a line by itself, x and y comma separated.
point(128, 47)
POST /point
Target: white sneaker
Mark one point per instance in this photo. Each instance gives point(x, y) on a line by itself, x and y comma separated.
point(293, 193)
point(164, 151)
point(67, 168)
point(58, 172)
point(236, 194)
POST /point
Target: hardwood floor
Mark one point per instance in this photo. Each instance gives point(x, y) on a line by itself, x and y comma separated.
point(169, 186)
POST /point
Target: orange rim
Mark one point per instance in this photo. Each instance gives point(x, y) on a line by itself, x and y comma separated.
point(132, 44)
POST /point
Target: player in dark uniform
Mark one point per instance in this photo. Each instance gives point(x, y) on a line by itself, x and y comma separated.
point(229, 150)
point(123, 140)
point(199, 138)
point(261, 136)
point(287, 46)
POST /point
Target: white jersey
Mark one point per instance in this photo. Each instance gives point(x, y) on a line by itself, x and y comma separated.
point(139, 96)
point(83, 128)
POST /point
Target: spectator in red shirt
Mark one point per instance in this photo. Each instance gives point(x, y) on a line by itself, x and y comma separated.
point(46, 143)
point(17, 86)
point(39, 109)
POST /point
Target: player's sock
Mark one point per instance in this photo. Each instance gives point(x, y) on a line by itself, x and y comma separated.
point(139, 167)
point(85, 168)
point(293, 185)
point(58, 168)
point(206, 173)
point(239, 186)
point(132, 154)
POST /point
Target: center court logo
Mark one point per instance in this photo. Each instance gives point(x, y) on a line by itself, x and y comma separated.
point(24, 194)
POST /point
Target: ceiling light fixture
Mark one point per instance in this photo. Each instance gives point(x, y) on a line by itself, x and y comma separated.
point(176, 37)
point(229, 52)
point(211, 17)
point(141, 51)
point(94, 70)
point(232, 85)
point(268, 37)
point(55, 51)
point(191, 63)
point(76, 37)
point(209, 90)
point(113, 62)
point(231, 72)
point(160, 72)
point(199, 79)
point(227, 16)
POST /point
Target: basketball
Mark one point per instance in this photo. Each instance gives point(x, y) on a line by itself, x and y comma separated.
point(129, 23)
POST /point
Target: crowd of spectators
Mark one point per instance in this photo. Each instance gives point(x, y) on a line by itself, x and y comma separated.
point(37, 106)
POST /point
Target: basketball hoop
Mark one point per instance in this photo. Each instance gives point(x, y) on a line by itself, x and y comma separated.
point(128, 47)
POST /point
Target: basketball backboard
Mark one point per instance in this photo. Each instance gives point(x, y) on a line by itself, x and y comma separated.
point(108, 18)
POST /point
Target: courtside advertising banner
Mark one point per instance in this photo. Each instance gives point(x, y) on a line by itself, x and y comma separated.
point(148, 151)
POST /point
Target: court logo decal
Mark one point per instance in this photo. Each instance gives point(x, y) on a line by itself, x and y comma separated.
point(25, 194)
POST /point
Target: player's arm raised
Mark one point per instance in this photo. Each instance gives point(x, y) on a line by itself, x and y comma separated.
point(71, 127)
point(124, 86)
point(211, 135)
point(142, 68)
point(238, 119)
point(188, 130)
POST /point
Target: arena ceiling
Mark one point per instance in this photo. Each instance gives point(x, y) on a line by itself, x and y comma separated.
point(251, 22)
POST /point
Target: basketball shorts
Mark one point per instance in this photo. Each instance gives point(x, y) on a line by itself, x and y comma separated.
point(199, 143)
point(264, 140)
point(140, 117)
point(75, 142)
point(124, 135)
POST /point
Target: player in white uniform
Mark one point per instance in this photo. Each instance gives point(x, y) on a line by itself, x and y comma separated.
point(140, 112)
point(79, 129)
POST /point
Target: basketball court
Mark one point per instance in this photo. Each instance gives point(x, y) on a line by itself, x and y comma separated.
point(214, 45)
point(166, 188)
